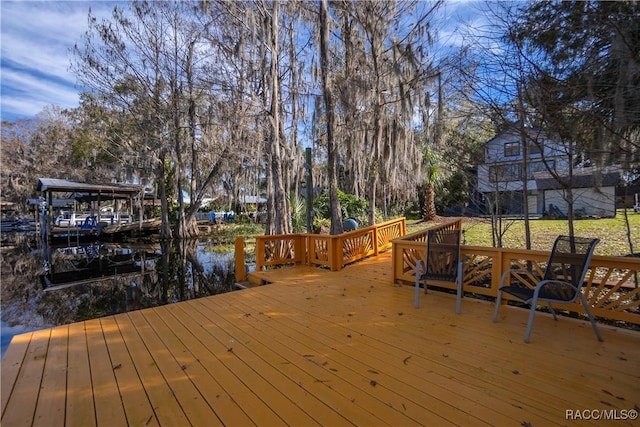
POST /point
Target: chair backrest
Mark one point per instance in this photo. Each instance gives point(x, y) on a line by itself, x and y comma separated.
point(443, 254)
point(569, 262)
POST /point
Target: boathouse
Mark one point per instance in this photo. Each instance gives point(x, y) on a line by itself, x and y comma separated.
point(93, 194)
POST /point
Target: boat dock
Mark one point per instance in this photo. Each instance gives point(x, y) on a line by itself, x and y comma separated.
point(319, 347)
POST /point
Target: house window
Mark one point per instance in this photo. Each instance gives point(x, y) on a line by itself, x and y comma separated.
point(505, 173)
point(511, 149)
point(535, 148)
point(539, 167)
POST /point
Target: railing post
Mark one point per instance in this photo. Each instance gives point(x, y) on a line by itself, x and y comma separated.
point(500, 265)
point(298, 248)
point(375, 241)
point(309, 248)
point(241, 273)
point(396, 259)
point(335, 256)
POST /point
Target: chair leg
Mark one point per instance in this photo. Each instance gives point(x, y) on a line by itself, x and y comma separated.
point(552, 311)
point(585, 304)
point(532, 313)
point(498, 302)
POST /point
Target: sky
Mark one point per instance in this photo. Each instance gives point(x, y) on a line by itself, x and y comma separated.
point(36, 38)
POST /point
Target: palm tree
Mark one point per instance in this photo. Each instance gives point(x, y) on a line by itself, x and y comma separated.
point(431, 170)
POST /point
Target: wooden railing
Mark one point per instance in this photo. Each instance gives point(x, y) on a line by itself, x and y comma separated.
point(611, 285)
point(331, 251)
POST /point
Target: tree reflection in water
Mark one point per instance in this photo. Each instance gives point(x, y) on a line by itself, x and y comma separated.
point(47, 287)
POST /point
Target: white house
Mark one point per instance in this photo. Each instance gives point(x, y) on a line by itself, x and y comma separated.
point(509, 164)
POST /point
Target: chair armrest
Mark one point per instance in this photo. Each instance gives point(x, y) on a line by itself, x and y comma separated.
point(567, 293)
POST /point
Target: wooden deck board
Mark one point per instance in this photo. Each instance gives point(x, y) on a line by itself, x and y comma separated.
point(161, 398)
point(200, 338)
point(426, 393)
point(80, 407)
point(12, 363)
point(50, 409)
point(480, 343)
point(583, 350)
point(310, 394)
point(336, 366)
point(319, 348)
point(273, 398)
point(299, 354)
point(176, 379)
point(416, 373)
point(425, 367)
point(137, 406)
point(20, 411)
point(108, 406)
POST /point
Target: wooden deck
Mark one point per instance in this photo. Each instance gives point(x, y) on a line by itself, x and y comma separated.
point(321, 348)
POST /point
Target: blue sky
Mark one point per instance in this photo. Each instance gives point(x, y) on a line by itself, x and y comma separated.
point(36, 38)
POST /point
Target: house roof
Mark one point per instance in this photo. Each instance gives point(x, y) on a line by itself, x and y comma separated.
point(54, 202)
point(252, 199)
point(64, 186)
point(514, 130)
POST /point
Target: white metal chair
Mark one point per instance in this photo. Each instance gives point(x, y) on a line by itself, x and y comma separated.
point(561, 283)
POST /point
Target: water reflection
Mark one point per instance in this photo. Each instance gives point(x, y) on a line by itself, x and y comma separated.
point(48, 286)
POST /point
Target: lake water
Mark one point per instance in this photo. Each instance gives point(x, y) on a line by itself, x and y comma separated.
point(46, 286)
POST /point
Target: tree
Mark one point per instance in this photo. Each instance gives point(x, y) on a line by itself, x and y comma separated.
point(585, 82)
point(380, 69)
point(334, 202)
point(431, 168)
point(151, 63)
point(589, 61)
point(260, 50)
point(38, 148)
point(121, 62)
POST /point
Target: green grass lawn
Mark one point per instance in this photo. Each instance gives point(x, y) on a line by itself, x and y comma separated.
point(612, 232)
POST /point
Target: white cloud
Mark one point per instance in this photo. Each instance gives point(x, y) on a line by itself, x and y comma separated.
point(29, 94)
point(36, 40)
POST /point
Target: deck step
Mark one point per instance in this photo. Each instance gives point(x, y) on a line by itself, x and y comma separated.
point(245, 285)
point(256, 278)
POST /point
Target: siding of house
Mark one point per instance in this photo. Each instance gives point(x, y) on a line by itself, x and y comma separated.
point(496, 156)
point(501, 176)
point(594, 202)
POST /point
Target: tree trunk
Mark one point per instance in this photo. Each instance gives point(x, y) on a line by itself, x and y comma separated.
point(161, 176)
point(429, 208)
point(279, 219)
point(334, 201)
